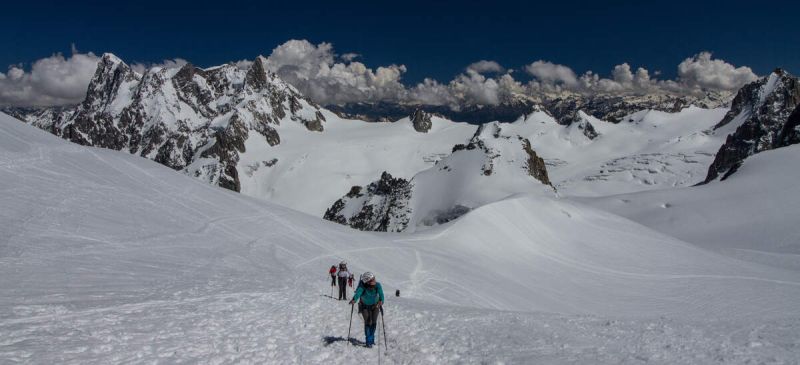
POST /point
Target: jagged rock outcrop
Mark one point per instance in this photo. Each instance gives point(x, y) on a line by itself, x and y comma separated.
point(421, 121)
point(535, 164)
point(580, 120)
point(190, 119)
point(381, 206)
point(766, 114)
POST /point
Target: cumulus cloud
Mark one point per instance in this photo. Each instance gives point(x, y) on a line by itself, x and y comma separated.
point(313, 70)
point(54, 80)
point(552, 74)
point(327, 78)
point(695, 74)
point(702, 72)
point(484, 66)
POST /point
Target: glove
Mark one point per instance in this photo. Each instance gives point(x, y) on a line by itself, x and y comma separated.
point(379, 304)
point(352, 302)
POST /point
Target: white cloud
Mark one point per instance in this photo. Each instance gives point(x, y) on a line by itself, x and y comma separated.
point(326, 78)
point(173, 63)
point(57, 80)
point(54, 80)
point(551, 73)
point(349, 57)
point(312, 70)
point(484, 66)
point(701, 71)
point(695, 74)
point(243, 64)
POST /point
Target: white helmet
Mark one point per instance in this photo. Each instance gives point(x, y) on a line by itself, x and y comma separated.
point(343, 263)
point(367, 277)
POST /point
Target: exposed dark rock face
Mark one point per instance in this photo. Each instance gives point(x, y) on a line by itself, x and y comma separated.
point(791, 130)
point(421, 121)
point(191, 119)
point(380, 206)
point(586, 127)
point(767, 111)
point(535, 164)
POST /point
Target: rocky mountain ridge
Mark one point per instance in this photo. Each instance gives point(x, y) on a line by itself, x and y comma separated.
point(765, 116)
point(191, 119)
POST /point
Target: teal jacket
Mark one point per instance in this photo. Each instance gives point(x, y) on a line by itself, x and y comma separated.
point(369, 296)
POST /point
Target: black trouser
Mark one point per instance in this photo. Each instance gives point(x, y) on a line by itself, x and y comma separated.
point(342, 288)
point(333, 280)
point(369, 313)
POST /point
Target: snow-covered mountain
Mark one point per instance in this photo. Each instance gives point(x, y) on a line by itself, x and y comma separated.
point(648, 150)
point(106, 258)
point(191, 119)
point(248, 131)
point(763, 116)
point(492, 166)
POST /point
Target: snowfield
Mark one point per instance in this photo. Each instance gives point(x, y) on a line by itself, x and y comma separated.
point(110, 258)
point(313, 170)
point(752, 214)
point(647, 150)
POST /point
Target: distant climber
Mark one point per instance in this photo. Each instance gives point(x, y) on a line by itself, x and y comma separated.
point(332, 271)
point(343, 275)
point(369, 296)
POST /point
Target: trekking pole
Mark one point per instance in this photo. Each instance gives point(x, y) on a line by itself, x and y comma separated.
point(385, 341)
point(351, 322)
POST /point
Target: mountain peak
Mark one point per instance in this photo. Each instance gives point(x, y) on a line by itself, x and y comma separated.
point(421, 121)
point(110, 58)
point(257, 74)
point(759, 113)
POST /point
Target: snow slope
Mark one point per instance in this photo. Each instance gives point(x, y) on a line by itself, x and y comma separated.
point(491, 167)
point(752, 214)
point(109, 258)
point(313, 170)
point(647, 150)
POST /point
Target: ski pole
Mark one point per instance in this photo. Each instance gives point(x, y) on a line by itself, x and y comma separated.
point(385, 341)
point(351, 322)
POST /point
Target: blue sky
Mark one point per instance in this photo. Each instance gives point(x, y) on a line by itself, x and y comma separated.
point(432, 39)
